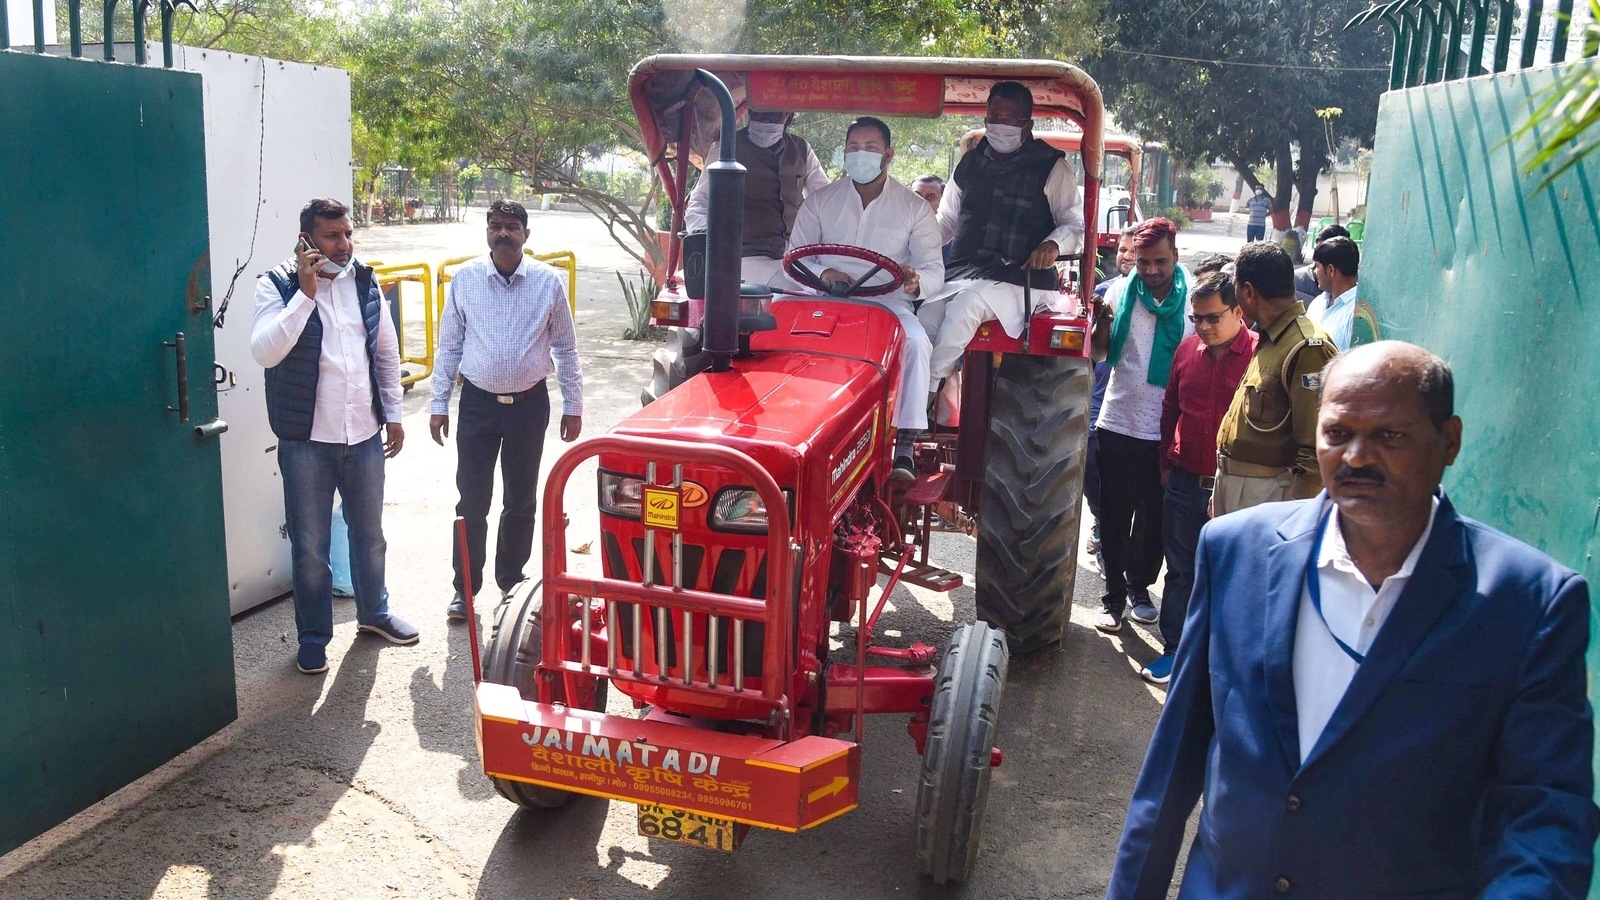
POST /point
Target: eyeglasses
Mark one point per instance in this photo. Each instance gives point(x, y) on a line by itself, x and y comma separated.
point(1211, 319)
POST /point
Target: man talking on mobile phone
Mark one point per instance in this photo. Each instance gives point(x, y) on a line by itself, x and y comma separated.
point(323, 331)
point(506, 328)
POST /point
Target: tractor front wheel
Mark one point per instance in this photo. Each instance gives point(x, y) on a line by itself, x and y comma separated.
point(516, 644)
point(956, 759)
point(1032, 492)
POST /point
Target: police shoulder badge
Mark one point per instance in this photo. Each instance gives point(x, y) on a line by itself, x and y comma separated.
point(1312, 381)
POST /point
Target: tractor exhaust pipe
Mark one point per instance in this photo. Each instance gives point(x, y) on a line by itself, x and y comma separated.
point(724, 236)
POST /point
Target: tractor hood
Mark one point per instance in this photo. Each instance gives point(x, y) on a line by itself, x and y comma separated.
point(778, 407)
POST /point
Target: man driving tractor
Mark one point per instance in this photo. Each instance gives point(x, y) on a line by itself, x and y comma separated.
point(781, 170)
point(1011, 208)
point(867, 208)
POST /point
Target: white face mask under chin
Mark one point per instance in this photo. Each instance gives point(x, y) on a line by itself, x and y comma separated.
point(765, 134)
point(1004, 138)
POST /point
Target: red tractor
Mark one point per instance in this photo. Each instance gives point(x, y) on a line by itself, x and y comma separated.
point(749, 507)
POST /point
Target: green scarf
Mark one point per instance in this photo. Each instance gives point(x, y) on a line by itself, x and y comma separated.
point(1169, 323)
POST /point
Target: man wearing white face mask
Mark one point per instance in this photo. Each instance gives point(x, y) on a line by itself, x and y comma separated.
point(780, 171)
point(866, 208)
point(1010, 209)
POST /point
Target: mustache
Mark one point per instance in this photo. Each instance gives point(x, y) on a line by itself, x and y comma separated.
point(1364, 473)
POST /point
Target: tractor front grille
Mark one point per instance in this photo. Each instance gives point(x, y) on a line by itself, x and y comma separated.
point(728, 568)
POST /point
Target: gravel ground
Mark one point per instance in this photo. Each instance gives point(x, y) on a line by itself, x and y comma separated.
point(365, 782)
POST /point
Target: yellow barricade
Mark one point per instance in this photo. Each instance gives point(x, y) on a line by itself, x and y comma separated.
point(396, 277)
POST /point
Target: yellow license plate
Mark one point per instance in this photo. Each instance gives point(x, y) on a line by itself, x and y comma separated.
point(664, 824)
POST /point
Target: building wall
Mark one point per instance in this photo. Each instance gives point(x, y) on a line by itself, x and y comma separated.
point(1464, 258)
point(255, 189)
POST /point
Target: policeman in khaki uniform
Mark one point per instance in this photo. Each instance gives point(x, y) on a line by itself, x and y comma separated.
point(1266, 448)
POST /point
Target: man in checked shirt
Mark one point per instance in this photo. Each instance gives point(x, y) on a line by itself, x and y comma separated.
point(506, 326)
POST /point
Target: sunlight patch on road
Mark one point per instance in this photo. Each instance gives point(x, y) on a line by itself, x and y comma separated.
point(183, 880)
point(937, 603)
point(619, 838)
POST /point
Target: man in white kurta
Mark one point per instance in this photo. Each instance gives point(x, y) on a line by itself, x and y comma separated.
point(1012, 205)
point(866, 208)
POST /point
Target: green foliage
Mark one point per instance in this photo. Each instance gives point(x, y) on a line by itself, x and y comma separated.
point(282, 29)
point(468, 180)
point(639, 295)
point(1199, 189)
point(1572, 103)
point(1264, 69)
point(534, 88)
point(1177, 215)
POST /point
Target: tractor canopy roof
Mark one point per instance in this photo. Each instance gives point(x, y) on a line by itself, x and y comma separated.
point(674, 109)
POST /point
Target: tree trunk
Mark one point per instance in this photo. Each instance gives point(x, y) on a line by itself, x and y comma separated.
point(1285, 188)
point(1305, 182)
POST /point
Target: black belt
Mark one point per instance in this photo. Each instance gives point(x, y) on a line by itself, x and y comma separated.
point(1206, 482)
point(506, 398)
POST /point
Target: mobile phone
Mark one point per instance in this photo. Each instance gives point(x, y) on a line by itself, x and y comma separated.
point(328, 267)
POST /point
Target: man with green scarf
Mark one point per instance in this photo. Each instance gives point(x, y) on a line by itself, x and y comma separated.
point(1138, 335)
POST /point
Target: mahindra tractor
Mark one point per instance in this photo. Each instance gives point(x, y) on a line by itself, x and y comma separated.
point(1119, 204)
point(747, 510)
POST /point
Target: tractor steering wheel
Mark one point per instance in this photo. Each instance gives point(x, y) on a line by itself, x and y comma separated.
point(799, 271)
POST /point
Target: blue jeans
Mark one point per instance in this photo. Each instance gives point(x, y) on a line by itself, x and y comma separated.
point(1183, 513)
point(312, 471)
point(1255, 232)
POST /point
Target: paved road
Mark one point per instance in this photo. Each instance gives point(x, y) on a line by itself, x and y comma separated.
point(365, 782)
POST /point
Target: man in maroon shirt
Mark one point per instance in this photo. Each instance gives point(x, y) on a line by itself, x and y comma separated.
point(1206, 372)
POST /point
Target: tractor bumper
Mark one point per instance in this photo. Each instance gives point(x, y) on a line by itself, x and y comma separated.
point(787, 785)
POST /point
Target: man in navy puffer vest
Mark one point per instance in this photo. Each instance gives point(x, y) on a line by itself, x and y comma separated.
point(323, 331)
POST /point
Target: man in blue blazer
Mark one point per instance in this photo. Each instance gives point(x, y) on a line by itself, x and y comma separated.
point(1377, 696)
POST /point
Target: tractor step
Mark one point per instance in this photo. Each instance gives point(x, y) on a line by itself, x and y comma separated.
point(787, 785)
point(922, 575)
point(928, 489)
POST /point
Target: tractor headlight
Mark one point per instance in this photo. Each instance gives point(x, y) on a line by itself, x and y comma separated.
point(1066, 337)
point(620, 495)
point(740, 509)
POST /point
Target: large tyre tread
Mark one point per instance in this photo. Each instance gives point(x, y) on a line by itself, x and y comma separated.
point(1028, 516)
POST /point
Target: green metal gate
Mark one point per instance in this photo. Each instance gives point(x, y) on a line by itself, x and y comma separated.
point(115, 644)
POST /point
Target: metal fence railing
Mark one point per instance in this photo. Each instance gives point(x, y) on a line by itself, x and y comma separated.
point(140, 10)
point(1442, 40)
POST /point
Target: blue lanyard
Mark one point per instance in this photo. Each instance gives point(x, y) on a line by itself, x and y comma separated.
point(1314, 588)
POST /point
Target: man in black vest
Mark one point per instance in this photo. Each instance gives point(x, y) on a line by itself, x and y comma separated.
point(780, 171)
point(1010, 209)
point(324, 333)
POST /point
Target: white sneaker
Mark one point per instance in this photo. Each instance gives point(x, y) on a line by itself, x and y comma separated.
point(1108, 623)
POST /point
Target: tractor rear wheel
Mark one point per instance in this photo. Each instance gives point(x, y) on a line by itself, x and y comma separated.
point(1028, 515)
point(956, 760)
point(516, 642)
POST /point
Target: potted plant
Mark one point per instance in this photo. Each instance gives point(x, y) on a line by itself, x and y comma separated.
point(1196, 193)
